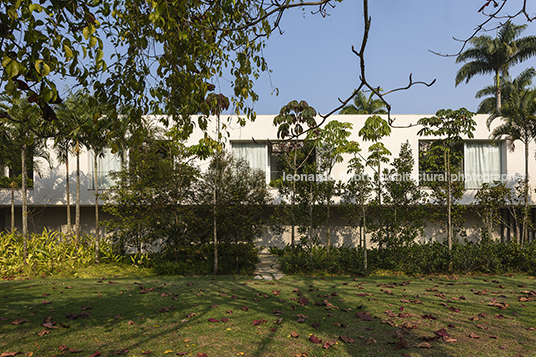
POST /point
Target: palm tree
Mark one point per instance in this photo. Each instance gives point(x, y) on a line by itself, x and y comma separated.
point(508, 87)
point(73, 113)
point(24, 129)
point(519, 124)
point(496, 55)
point(364, 105)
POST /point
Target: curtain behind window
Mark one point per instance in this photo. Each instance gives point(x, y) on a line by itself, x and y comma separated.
point(105, 165)
point(482, 164)
point(255, 154)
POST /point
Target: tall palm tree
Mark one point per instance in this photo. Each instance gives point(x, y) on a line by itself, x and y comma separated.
point(496, 55)
point(364, 105)
point(519, 124)
point(23, 121)
point(508, 87)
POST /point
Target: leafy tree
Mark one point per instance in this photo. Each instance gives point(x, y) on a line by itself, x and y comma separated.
point(364, 105)
point(241, 204)
point(449, 125)
point(152, 198)
point(490, 199)
point(331, 142)
point(403, 209)
point(508, 87)
point(375, 129)
point(293, 120)
point(519, 124)
point(24, 122)
point(496, 55)
point(355, 195)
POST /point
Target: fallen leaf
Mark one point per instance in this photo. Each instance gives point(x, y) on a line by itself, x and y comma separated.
point(365, 316)
point(43, 332)
point(472, 335)
point(442, 333)
point(423, 345)
point(120, 351)
point(314, 339)
point(327, 344)
point(402, 344)
point(346, 339)
point(63, 348)
point(9, 354)
point(19, 321)
point(450, 339)
point(370, 340)
point(148, 352)
point(294, 334)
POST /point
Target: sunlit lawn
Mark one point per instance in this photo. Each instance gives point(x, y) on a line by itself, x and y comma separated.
point(240, 316)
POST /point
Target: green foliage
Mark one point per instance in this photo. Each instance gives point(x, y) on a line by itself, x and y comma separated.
point(294, 119)
point(489, 257)
point(199, 259)
point(403, 209)
point(241, 200)
point(364, 105)
point(490, 199)
point(150, 202)
point(49, 253)
point(8, 182)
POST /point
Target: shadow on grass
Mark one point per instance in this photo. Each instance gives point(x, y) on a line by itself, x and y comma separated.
point(163, 317)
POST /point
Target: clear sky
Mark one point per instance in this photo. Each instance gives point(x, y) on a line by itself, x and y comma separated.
point(312, 60)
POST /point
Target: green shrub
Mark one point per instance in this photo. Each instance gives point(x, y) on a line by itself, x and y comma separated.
point(415, 259)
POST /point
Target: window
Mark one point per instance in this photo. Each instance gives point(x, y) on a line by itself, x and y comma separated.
point(106, 164)
point(474, 162)
point(482, 163)
point(254, 153)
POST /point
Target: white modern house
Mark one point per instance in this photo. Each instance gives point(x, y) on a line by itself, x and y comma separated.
point(483, 161)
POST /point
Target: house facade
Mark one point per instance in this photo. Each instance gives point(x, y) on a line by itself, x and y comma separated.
point(483, 161)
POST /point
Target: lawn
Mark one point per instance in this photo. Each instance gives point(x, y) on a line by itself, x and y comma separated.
point(295, 316)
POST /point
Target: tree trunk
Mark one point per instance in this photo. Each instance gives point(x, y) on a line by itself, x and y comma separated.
point(526, 196)
point(97, 237)
point(24, 206)
point(13, 206)
point(67, 188)
point(77, 213)
point(449, 201)
point(364, 235)
point(498, 91)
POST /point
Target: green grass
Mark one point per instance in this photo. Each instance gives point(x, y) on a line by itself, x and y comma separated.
point(122, 318)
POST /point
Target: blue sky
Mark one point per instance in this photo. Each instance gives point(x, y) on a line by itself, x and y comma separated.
point(312, 59)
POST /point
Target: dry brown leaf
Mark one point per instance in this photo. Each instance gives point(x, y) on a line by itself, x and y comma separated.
point(370, 340)
point(423, 345)
point(19, 321)
point(294, 334)
point(9, 354)
point(43, 332)
point(402, 344)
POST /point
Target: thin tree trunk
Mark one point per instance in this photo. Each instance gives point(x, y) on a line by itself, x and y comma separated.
point(526, 196)
point(24, 206)
point(69, 232)
point(449, 202)
point(498, 91)
point(97, 238)
point(13, 206)
point(215, 198)
point(77, 213)
point(364, 235)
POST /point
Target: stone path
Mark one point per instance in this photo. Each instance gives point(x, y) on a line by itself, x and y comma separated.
point(268, 268)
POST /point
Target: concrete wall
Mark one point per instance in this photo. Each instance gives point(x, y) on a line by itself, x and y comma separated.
point(48, 196)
